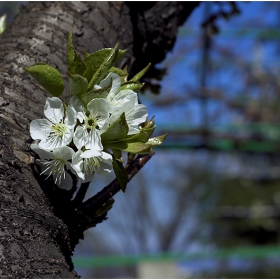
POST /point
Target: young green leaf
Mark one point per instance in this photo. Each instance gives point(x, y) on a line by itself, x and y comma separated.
point(102, 71)
point(48, 77)
point(121, 72)
point(97, 58)
point(86, 55)
point(156, 141)
point(70, 53)
point(139, 75)
point(77, 85)
point(120, 174)
point(74, 61)
point(132, 86)
point(98, 93)
point(116, 131)
point(117, 155)
point(138, 147)
point(79, 67)
point(143, 136)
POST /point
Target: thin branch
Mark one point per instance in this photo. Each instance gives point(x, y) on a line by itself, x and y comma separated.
point(92, 204)
point(81, 194)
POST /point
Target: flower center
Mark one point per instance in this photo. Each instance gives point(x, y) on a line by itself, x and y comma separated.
point(91, 165)
point(59, 129)
point(91, 121)
point(57, 168)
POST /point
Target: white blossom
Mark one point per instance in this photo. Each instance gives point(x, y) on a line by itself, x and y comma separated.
point(86, 163)
point(55, 163)
point(57, 129)
point(135, 114)
point(117, 98)
point(93, 123)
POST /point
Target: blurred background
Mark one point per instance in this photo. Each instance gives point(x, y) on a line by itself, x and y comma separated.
point(208, 203)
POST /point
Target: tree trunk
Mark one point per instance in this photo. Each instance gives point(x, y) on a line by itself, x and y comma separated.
point(39, 224)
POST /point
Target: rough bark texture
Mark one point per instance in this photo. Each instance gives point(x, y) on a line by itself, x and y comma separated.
point(39, 225)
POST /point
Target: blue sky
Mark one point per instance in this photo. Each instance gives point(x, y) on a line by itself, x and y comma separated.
point(184, 75)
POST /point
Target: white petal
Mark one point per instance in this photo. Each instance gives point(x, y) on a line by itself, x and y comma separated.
point(51, 143)
point(54, 110)
point(134, 115)
point(138, 114)
point(80, 137)
point(94, 140)
point(43, 154)
point(100, 106)
point(91, 153)
point(79, 107)
point(116, 83)
point(106, 164)
point(40, 129)
point(103, 125)
point(67, 136)
point(125, 96)
point(115, 115)
point(133, 98)
point(66, 183)
point(71, 117)
point(88, 178)
point(133, 130)
point(77, 165)
point(65, 153)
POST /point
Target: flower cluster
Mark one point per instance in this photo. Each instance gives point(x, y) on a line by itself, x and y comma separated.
point(102, 120)
point(70, 136)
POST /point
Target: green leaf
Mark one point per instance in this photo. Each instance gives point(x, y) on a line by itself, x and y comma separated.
point(86, 54)
point(98, 93)
point(88, 73)
point(156, 141)
point(48, 77)
point(135, 148)
point(120, 72)
point(132, 86)
point(150, 123)
point(97, 58)
point(141, 73)
point(74, 61)
point(143, 136)
point(117, 155)
point(119, 55)
point(94, 61)
point(77, 85)
point(79, 66)
point(138, 147)
point(120, 174)
point(70, 53)
point(102, 71)
point(116, 131)
point(99, 63)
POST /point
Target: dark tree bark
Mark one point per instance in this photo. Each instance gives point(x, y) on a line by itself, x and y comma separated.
point(39, 223)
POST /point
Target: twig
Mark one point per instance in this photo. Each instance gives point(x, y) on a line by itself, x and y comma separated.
point(81, 193)
point(92, 204)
